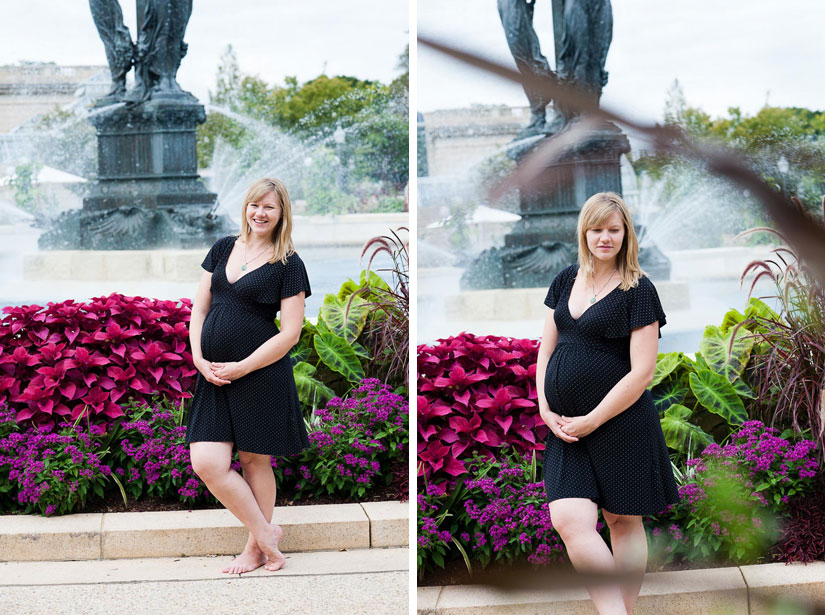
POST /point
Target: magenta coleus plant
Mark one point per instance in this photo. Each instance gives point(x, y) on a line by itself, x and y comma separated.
point(68, 359)
point(476, 395)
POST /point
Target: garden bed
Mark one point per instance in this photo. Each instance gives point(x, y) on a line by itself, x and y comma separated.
point(112, 502)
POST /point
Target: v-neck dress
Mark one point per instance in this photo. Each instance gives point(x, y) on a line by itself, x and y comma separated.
point(260, 412)
point(623, 465)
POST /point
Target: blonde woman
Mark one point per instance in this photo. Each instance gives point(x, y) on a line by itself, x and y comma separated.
point(606, 449)
point(245, 397)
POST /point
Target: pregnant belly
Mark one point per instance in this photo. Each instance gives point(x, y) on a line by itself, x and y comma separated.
point(578, 378)
point(232, 335)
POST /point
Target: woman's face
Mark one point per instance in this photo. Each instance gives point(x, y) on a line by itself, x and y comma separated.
point(263, 215)
point(605, 240)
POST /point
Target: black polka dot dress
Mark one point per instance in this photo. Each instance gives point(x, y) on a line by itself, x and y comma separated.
point(259, 412)
point(623, 465)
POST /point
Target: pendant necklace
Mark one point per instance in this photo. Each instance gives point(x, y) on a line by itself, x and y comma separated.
point(595, 294)
point(243, 267)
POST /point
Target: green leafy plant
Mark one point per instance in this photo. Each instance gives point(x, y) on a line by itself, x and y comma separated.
point(732, 496)
point(702, 400)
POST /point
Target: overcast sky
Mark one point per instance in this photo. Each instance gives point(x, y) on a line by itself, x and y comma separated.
point(272, 38)
point(724, 53)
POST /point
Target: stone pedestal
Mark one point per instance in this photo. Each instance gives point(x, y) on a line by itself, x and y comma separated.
point(544, 241)
point(148, 193)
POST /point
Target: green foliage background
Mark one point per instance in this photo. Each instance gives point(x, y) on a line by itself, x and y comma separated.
point(373, 116)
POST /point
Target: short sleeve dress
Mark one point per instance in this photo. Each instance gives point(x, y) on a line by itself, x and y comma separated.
point(623, 465)
point(259, 412)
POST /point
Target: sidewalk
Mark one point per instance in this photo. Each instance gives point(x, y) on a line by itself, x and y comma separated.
point(350, 558)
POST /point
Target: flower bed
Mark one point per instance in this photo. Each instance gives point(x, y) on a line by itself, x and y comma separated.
point(356, 445)
point(479, 499)
point(60, 361)
point(476, 396)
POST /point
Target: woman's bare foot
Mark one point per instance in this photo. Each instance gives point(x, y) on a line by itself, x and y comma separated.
point(276, 559)
point(251, 559)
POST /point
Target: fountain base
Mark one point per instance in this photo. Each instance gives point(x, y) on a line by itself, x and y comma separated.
point(544, 241)
point(148, 193)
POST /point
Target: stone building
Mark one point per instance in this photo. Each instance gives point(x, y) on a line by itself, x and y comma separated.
point(457, 139)
point(29, 89)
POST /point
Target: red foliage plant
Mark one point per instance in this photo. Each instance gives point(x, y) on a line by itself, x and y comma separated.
point(803, 531)
point(59, 361)
point(475, 394)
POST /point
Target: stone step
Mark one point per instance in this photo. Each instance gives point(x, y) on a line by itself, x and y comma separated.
point(352, 581)
point(199, 532)
point(757, 590)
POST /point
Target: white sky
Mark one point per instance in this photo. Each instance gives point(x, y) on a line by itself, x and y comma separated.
point(724, 53)
point(272, 38)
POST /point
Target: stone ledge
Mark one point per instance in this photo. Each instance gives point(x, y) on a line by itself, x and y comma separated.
point(510, 304)
point(32, 538)
point(197, 533)
point(797, 582)
point(747, 589)
point(389, 523)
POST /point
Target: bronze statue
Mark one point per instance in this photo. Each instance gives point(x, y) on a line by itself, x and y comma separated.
point(157, 54)
point(108, 19)
point(583, 30)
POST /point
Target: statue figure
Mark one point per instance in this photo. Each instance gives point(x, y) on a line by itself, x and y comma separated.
point(583, 30)
point(157, 54)
point(108, 19)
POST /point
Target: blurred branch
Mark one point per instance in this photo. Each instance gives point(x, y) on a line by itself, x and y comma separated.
point(804, 232)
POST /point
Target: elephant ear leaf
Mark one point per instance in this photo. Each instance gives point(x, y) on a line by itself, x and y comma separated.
point(665, 364)
point(347, 288)
point(303, 349)
point(680, 434)
point(741, 387)
point(721, 356)
point(311, 391)
point(716, 394)
point(672, 390)
point(731, 319)
point(361, 351)
point(759, 309)
point(345, 317)
point(337, 354)
point(373, 280)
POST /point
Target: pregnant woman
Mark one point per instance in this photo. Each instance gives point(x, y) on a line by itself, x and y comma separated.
point(245, 397)
point(606, 449)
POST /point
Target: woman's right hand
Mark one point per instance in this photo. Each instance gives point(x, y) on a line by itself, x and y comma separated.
point(205, 368)
point(554, 422)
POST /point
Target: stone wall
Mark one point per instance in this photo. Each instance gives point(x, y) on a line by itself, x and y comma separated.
point(29, 89)
point(457, 139)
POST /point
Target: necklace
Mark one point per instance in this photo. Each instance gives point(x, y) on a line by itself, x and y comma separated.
point(596, 294)
point(247, 261)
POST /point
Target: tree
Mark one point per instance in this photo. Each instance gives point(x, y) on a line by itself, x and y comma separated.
point(373, 117)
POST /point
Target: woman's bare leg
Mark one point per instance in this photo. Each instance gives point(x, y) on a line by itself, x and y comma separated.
point(257, 472)
point(629, 542)
point(211, 461)
point(575, 520)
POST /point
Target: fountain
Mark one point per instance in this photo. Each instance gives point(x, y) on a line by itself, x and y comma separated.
point(154, 254)
point(543, 241)
point(148, 193)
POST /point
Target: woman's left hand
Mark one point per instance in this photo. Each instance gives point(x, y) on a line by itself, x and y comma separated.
point(578, 426)
point(229, 371)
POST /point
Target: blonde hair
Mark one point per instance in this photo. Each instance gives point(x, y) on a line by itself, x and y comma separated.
point(282, 234)
point(594, 212)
